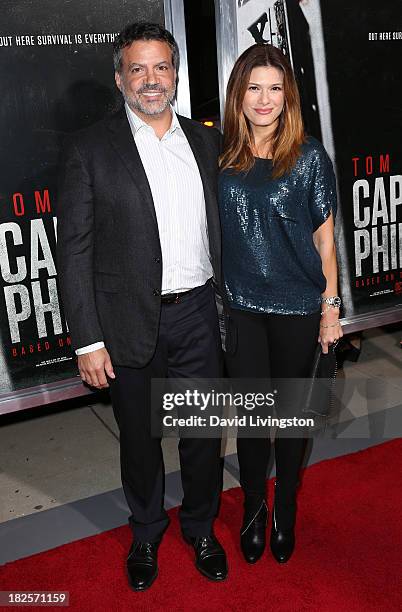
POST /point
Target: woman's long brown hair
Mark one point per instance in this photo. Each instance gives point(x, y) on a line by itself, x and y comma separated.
point(238, 137)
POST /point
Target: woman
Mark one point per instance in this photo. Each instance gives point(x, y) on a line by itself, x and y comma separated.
point(277, 204)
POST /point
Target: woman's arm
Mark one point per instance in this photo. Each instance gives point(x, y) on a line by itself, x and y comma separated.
point(330, 328)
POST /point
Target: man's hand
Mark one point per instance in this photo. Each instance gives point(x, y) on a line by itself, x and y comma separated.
point(94, 366)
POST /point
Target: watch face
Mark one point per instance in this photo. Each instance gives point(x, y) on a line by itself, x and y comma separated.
point(333, 301)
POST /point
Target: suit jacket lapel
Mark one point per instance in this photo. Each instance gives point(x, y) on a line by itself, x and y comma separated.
point(208, 176)
point(200, 153)
point(124, 144)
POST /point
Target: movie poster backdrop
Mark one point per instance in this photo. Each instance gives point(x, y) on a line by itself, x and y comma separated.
point(56, 76)
point(347, 60)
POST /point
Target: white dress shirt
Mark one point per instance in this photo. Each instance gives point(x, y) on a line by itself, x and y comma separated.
point(178, 197)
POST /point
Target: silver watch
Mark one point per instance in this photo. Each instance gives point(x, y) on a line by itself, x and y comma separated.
point(334, 301)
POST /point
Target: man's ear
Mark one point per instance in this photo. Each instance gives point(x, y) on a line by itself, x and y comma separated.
point(117, 78)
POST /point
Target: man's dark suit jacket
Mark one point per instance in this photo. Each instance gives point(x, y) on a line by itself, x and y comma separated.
point(109, 256)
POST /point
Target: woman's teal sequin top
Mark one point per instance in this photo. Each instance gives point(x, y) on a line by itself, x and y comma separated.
point(270, 262)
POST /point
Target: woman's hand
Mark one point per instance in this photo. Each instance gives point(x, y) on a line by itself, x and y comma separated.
point(330, 328)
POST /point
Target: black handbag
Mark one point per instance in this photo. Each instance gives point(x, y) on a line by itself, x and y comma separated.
point(227, 326)
point(320, 387)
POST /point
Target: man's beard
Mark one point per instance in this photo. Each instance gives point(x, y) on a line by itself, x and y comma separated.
point(152, 108)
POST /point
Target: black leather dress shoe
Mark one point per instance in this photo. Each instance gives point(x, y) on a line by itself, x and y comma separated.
point(142, 566)
point(252, 534)
point(210, 558)
point(282, 542)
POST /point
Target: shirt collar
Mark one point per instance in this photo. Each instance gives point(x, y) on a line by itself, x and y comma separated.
point(137, 123)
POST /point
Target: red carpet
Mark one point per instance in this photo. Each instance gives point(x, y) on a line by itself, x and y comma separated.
point(348, 555)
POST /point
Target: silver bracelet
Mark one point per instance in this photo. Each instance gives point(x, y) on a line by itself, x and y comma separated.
point(330, 308)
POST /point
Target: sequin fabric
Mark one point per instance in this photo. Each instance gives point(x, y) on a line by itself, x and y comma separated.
point(270, 263)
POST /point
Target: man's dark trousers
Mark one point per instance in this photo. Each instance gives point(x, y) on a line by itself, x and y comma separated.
point(188, 347)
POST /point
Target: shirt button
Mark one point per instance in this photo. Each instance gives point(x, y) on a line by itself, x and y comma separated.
point(157, 259)
point(156, 292)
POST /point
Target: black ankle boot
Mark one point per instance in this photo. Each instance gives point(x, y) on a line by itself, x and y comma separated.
point(252, 534)
point(282, 539)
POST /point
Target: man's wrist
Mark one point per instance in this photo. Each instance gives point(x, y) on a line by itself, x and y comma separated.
point(90, 348)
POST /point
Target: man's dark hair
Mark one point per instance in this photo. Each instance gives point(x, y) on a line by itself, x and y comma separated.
point(143, 30)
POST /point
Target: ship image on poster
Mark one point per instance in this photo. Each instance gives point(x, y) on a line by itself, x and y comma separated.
point(56, 75)
point(346, 58)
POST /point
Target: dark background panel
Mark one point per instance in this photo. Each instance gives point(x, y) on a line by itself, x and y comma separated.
point(50, 90)
point(364, 79)
point(202, 59)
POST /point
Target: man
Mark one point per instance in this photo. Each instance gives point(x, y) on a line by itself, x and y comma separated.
point(138, 245)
